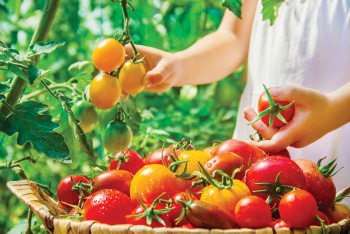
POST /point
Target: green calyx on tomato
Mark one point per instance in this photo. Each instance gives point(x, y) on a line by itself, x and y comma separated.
point(87, 115)
point(121, 158)
point(274, 110)
point(328, 169)
point(150, 212)
point(276, 190)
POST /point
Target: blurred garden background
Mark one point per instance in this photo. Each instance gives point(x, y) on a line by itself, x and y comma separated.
point(201, 113)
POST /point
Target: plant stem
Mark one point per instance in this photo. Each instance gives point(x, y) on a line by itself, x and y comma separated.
point(29, 222)
point(42, 91)
point(49, 90)
point(18, 84)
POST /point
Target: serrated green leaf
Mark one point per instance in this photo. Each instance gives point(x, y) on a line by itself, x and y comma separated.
point(4, 88)
point(43, 48)
point(81, 67)
point(35, 75)
point(270, 9)
point(37, 129)
point(235, 6)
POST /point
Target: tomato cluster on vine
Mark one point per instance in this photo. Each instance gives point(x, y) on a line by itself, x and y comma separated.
point(232, 185)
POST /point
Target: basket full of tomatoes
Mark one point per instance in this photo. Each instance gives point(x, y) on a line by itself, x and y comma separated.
point(233, 188)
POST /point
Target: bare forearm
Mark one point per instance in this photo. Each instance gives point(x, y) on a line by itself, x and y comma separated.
point(340, 105)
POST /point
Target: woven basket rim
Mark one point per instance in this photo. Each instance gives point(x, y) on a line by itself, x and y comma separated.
point(27, 192)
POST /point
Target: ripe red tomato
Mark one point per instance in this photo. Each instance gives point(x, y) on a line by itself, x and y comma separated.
point(64, 189)
point(153, 180)
point(287, 114)
point(323, 217)
point(227, 162)
point(338, 212)
point(131, 77)
point(156, 156)
point(253, 212)
point(108, 55)
point(279, 223)
point(108, 206)
point(105, 91)
point(244, 150)
point(143, 220)
point(73, 212)
point(321, 187)
point(266, 171)
point(114, 179)
point(116, 136)
point(129, 160)
point(284, 153)
point(211, 150)
point(298, 208)
point(176, 212)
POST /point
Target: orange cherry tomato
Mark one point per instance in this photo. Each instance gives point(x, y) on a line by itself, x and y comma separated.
point(153, 180)
point(105, 91)
point(131, 77)
point(108, 55)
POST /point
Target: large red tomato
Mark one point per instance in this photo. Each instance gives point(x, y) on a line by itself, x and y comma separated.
point(243, 149)
point(156, 156)
point(64, 189)
point(108, 206)
point(114, 179)
point(129, 160)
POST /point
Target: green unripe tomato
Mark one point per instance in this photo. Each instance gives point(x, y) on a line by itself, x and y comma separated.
point(86, 113)
point(106, 116)
point(116, 136)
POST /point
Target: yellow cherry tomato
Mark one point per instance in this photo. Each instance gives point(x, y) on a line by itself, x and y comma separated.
point(108, 55)
point(131, 77)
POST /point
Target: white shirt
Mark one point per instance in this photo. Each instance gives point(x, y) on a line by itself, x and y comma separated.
point(309, 46)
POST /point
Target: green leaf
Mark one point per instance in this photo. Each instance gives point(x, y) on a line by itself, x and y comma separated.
point(37, 129)
point(2, 121)
point(36, 75)
point(43, 48)
point(2, 97)
point(270, 9)
point(81, 67)
point(3, 88)
point(19, 228)
point(235, 6)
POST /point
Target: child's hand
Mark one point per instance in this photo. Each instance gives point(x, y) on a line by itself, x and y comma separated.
point(314, 117)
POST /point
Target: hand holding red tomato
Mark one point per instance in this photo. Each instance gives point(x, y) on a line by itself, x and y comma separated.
point(313, 118)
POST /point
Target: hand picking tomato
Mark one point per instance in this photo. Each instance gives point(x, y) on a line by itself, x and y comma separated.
point(248, 152)
point(87, 115)
point(273, 113)
point(108, 55)
point(116, 136)
point(298, 208)
point(108, 206)
point(105, 91)
point(152, 180)
point(64, 189)
point(129, 160)
point(253, 212)
point(131, 77)
point(114, 179)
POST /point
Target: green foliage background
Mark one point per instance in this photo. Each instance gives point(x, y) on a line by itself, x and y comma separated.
point(201, 113)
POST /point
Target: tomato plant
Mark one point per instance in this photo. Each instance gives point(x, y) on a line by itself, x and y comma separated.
point(105, 91)
point(116, 136)
point(108, 206)
point(64, 189)
point(108, 55)
point(273, 113)
point(253, 212)
point(114, 179)
point(131, 77)
point(128, 160)
point(86, 114)
point(298, 208)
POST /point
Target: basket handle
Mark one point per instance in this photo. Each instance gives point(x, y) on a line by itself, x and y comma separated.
point(28, 193)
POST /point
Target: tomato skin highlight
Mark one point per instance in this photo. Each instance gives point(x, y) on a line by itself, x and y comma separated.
point(253, 212)
point(298, 208)
point(114, 179)
point(108, 206)
point(105, 91)
point(64, 189)
point(287, 114)
point(133, 165)
point(108, 55)
point(131, 77)
point(116, 136)
point(323, 189)
point(153, 180)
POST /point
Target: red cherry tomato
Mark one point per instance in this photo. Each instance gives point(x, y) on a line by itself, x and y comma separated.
point(64, 189)
point(298, 208)
point(129, 161)
point(156, 156)
point(108, 206)
point(114, 179)
point(323, 217)
point(253, 212)
point(176, 212)
point(108, 55)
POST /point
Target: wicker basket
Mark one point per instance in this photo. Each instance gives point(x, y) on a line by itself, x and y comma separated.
point(27, 192)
